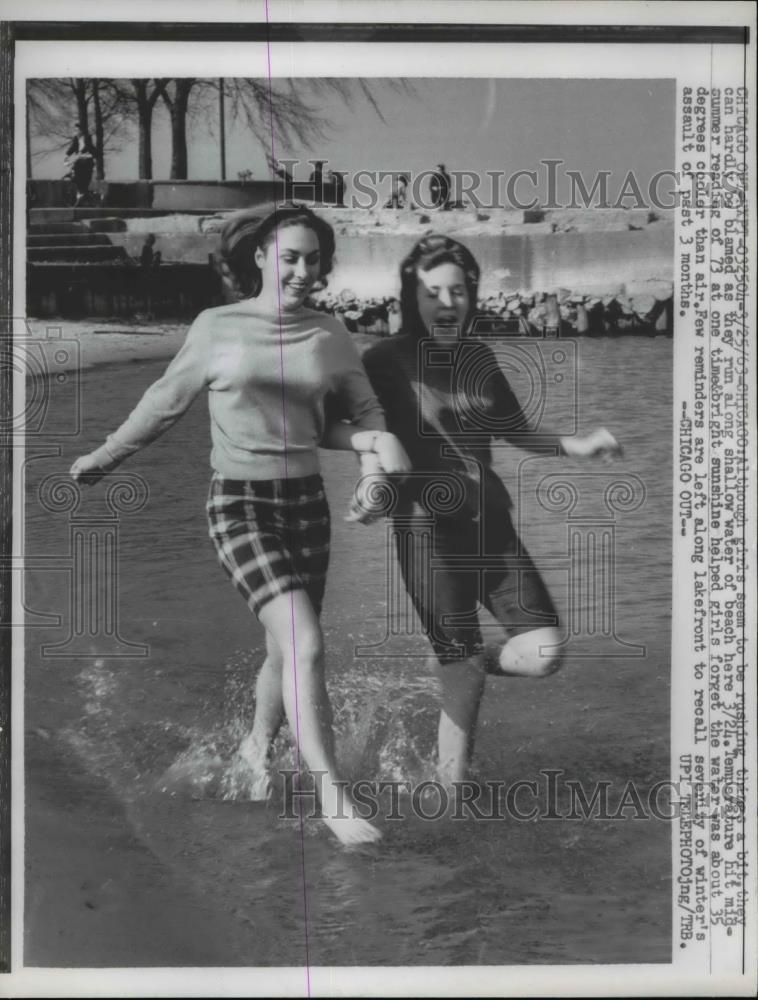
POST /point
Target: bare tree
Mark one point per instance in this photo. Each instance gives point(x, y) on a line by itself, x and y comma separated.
point(289, 111)
point(140, 96)
point(286, 112)
point(276, 114)
point(97, 112)
point(176, 95)
point(54, 105)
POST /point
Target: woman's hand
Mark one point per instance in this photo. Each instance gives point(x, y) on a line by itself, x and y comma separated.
point(391, 454)
point(371, 498)
point(599, 443)
point(86, 470)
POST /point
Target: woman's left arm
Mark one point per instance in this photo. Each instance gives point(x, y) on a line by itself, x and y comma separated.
point(518, 430)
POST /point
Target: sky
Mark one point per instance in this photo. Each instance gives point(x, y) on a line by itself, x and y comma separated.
point(467, 124)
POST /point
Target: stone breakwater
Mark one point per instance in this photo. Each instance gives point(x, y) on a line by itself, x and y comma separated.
point(644, 309)
point(457, 222)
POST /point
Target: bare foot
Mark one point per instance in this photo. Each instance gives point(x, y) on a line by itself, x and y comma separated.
point(340, 814)
point(245, 779)
point(450, 773)
point(351, 830)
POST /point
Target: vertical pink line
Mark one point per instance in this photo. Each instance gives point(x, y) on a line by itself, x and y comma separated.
point(286, 476)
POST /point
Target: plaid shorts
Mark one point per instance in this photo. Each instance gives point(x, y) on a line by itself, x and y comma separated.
point(272, 537)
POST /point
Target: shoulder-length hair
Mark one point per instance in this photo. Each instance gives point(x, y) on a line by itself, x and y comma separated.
point(427, 254)
point(244, 232)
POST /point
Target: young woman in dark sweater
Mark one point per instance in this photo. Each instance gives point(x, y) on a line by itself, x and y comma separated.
point(446, 398)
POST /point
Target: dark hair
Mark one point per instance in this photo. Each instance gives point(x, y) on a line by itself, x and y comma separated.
point(429, 253)
point(245, 231)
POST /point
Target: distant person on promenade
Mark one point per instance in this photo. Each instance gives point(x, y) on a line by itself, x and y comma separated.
point(80, 162)
point(399, 196)
point(439, 188)
point(285, 176)
point(316, 180)
point(337, 179)
point(445, 423)
point(148, 255)
point(333, 188)
point(268, 363)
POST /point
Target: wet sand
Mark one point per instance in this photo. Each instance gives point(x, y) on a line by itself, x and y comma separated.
point(107, 341)
point(96, 890)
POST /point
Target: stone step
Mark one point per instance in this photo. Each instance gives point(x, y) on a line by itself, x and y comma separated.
point(40, 229)
point(78, 254)
point(39, 216)
point(108, 225)
point(86, 238)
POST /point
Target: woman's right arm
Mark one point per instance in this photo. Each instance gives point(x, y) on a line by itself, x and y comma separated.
point(355, 401)
point(160, 407)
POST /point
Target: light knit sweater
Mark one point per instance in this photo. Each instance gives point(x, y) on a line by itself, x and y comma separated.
point(267, 376)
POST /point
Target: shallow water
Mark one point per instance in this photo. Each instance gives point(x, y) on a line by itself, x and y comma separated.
point(150, 729)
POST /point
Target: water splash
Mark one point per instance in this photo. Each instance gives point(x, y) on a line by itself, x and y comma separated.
point(197, 773)
point(384, 723)
point(384, 730)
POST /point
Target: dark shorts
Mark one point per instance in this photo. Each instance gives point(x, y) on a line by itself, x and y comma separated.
point(271, 537)
point(454, 570)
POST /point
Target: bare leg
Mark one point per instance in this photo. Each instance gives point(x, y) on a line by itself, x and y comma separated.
point(253, 753)
point(294, 627)
point(255, 748)
point(462, 686)
point(530, 654)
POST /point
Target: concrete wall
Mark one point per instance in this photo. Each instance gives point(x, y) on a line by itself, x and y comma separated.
point(113, 194)
point(173, 196)
point(177, 196)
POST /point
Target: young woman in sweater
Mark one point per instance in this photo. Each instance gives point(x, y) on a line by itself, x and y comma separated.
point(268, 363)
point(446, 398)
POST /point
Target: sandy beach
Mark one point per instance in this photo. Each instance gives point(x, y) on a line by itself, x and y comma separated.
point(106, 341)
point(98, 890)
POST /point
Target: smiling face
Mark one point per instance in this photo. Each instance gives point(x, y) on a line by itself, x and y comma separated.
point(290, 264)
point(443, 300)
